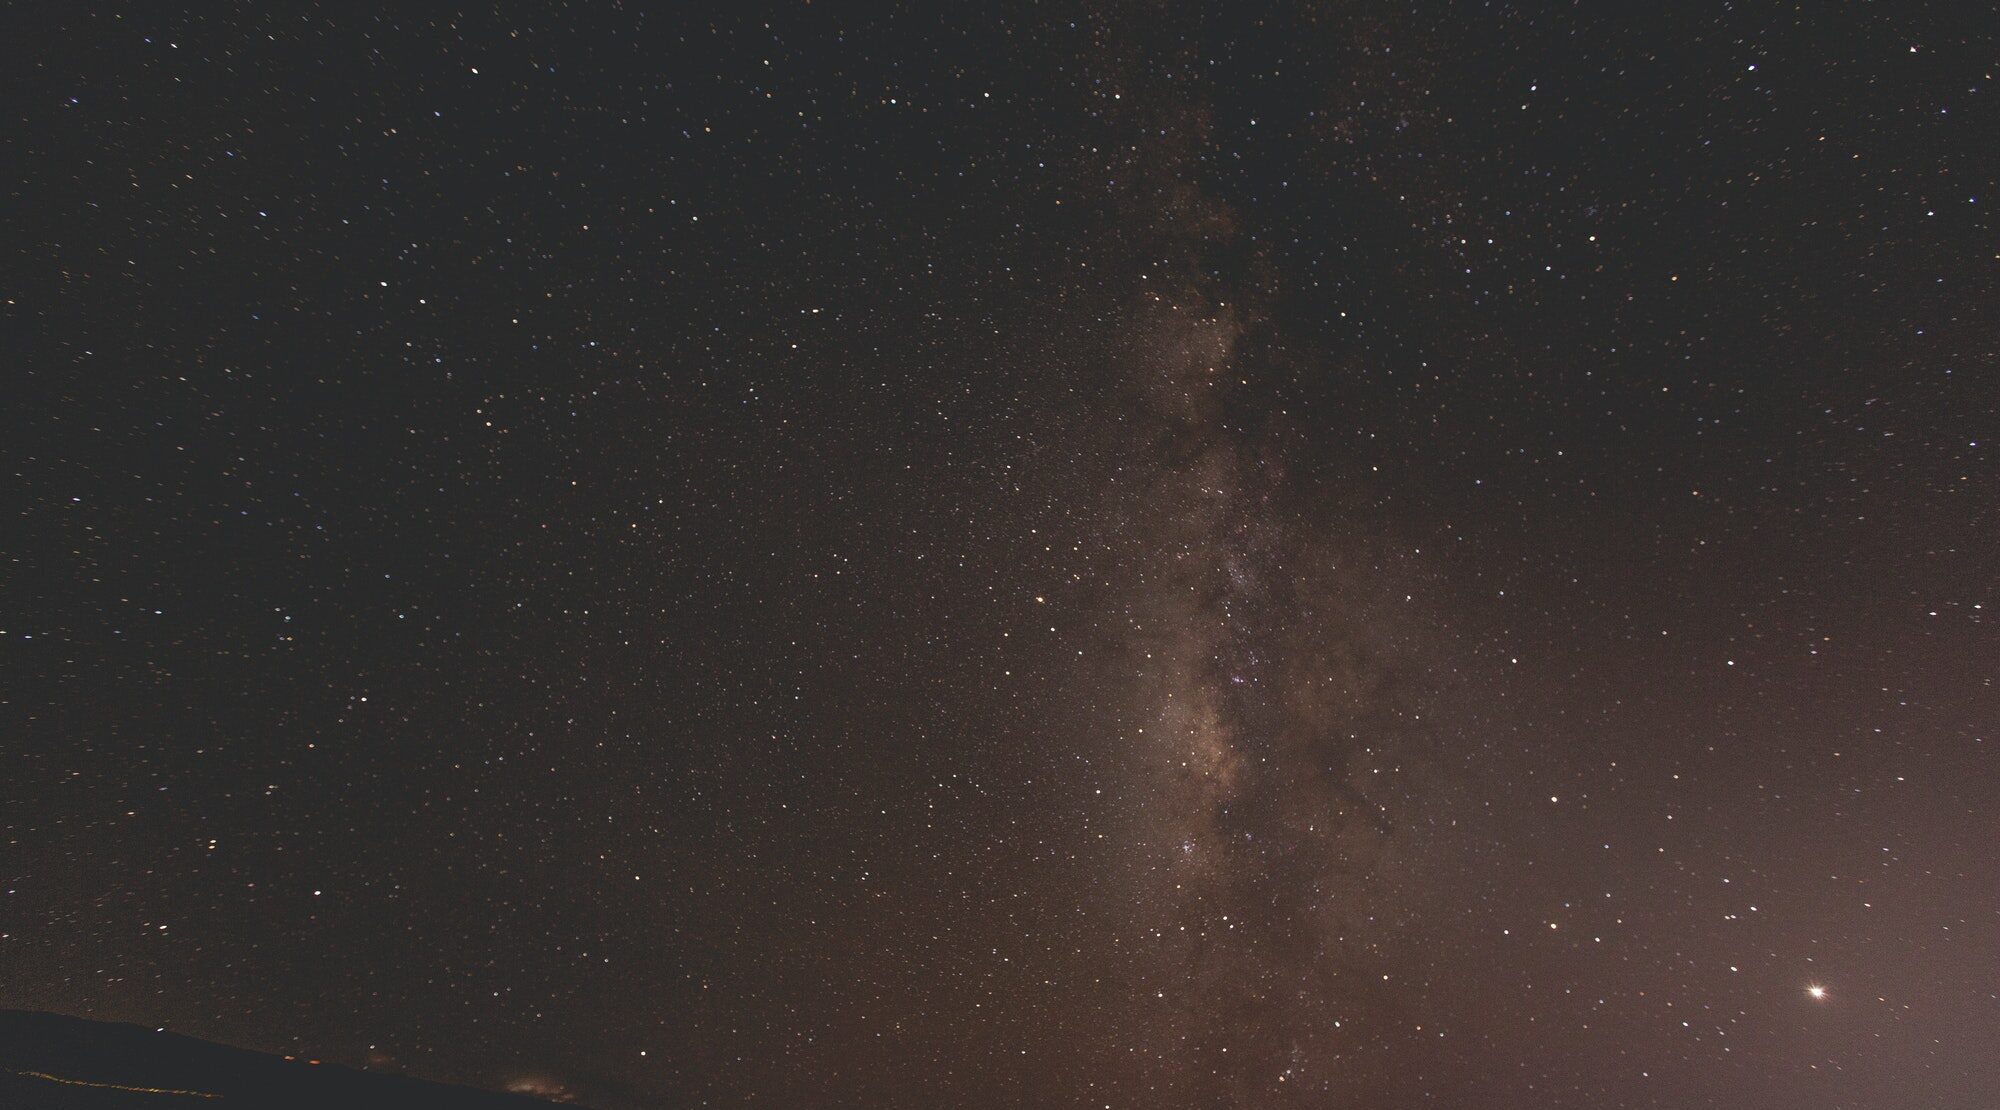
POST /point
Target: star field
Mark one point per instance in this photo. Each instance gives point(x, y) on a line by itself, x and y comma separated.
point(1119, 556)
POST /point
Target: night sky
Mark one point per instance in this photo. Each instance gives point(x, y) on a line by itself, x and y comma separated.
point(1352, 555)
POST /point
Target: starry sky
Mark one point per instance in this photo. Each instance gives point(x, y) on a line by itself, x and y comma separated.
point(1143, 556)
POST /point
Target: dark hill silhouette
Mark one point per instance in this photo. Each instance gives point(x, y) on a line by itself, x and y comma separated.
point(52, 1062)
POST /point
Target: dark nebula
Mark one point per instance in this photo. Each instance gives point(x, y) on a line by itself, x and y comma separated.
point(1137, 556)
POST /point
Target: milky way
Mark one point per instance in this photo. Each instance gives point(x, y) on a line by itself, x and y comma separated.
point(1277, 679)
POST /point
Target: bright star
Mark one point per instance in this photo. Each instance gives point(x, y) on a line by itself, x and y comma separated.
point(1817, 992)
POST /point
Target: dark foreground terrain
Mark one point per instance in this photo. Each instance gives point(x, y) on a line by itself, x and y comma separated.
point(64, 1063)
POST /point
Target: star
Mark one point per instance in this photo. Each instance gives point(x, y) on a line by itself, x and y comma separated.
point(1816, 992)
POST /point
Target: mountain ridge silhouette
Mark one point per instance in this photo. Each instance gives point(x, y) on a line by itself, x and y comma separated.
point(59, 1062)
